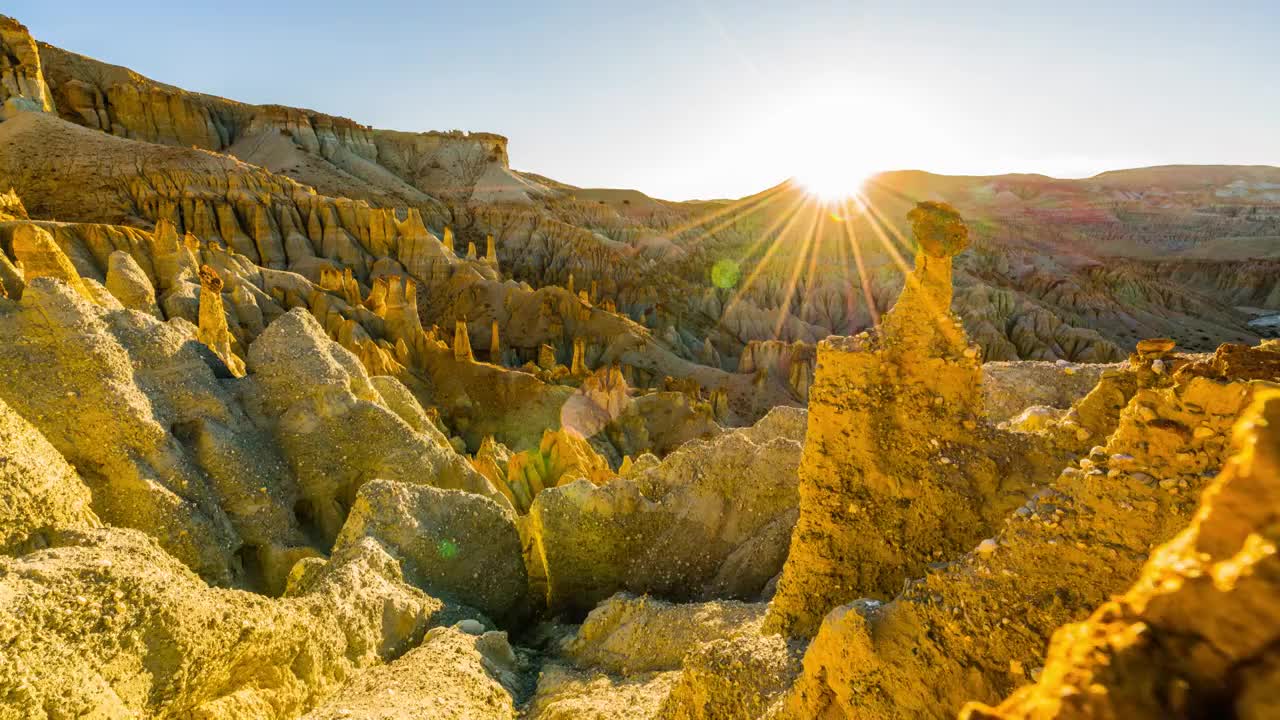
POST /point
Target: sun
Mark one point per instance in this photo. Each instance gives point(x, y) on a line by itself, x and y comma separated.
point(833, 174)
point(833, 143)
point(834, 185)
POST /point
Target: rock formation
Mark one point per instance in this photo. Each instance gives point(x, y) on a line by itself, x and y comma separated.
point(669, 530)
point(246, 473)
point(213, 321)
point(975, 628)
point(22, 84)
point(462, 342)
point(900, 469)
point(1196, 634)
point(130, 285)
point(40, 256)
point(444, 540)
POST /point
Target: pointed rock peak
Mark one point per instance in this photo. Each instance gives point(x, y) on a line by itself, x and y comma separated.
point(462, 342)
point(41, 256)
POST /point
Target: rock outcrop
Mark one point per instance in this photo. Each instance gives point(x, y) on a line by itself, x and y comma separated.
point(900, 468)
point(22, 84)
point(452, 544)
point(39, 491)
point(452, 674)
point(710, 521)
point(213, 330)
point(130, 285)
point(40, 256)
point(975, 628)
point(335, 428)
point(135, 407)
point(1196, 635)
point(105, 623)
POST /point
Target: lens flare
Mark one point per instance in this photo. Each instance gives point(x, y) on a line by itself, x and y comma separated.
point(725, 274)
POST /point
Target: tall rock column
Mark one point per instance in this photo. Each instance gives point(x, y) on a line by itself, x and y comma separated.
point(495, 345)
point(490, 251)
point(899, 469)
point(578, 365)
point(213, 321)
point(461, 342)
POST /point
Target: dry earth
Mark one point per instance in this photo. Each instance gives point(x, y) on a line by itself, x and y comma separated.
point(303, 418)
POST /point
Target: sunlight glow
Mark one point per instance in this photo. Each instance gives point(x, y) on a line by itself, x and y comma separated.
point(835, 141)
point(832, 185)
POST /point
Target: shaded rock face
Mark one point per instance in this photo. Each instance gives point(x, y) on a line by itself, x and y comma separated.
point(452, 674)
point(334, 427)
point(1196, 635)
point(900, 468)
point(711, 520)
point(452, 544)
point(637, 657)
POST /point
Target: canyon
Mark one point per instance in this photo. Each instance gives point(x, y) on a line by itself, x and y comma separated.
point(300, 418)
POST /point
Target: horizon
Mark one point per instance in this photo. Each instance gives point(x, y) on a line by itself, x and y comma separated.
point(719, 66)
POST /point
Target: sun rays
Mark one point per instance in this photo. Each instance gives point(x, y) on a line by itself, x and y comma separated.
point(807, 237)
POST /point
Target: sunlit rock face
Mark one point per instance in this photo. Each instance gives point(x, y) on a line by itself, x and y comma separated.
point(1196, 633)
point(301, 418)
point(900, 467)
point(976, 627)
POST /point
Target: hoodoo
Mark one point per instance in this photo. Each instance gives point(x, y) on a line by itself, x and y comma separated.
point(282, 438)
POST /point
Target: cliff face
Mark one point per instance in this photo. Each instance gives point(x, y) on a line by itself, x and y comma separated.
point(319, 149)
point(22, 83)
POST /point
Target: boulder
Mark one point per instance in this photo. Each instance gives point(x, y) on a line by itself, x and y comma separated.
point(452, 544)
point(336, 429)
point(710, 521)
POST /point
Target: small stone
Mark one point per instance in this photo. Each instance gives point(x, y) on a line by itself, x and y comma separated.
point(470, 626)
point(988, 546)
point(1156, 346)
point(1157, 366)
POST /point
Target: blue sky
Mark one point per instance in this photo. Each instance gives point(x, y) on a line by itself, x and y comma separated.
point(708, 98)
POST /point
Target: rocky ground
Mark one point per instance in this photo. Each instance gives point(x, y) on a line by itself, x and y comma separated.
point(300, 418)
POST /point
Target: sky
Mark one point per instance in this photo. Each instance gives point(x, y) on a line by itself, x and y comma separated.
point(711, 99)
